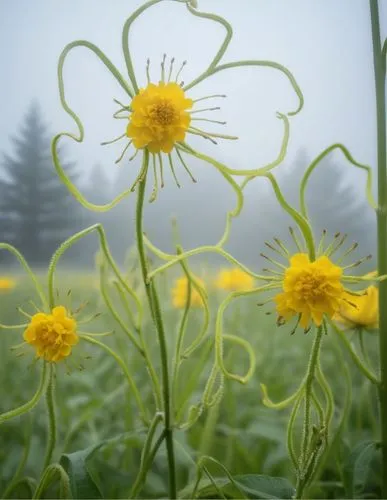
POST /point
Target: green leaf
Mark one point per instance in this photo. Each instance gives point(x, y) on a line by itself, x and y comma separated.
point(252, 485)
point(362, 471)
point(81, 482)
point(259, 486)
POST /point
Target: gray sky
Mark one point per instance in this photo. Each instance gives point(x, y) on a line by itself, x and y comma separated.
point(325, 43)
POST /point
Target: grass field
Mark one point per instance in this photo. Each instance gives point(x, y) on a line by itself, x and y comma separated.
point(94, 404)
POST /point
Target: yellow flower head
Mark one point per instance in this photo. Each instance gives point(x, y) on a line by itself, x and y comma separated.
point(360, 310)
point(310, 289)
point(234, 280)
point(7, 283)
point(52, 335)
point(180, 294)
point(159, 118)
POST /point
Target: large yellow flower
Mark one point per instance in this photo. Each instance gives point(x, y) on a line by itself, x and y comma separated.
point(310, 289)
point(159, 118)
point(52, 335)
point(180, 294)
point(360, 310)
point(234, 280)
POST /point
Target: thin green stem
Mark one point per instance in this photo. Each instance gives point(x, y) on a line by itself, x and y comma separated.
point(310, 378)
point(31, 403)
point(146, 452)
point(157, 318)
point(50, 401)
point(380, 76)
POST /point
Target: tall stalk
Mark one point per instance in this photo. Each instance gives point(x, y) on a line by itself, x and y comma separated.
point(379, 69)
point(157, 319)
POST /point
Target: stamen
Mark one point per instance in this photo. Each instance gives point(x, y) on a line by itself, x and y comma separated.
point(89, 319)
point(21, 311)
point(170, 69)
point(153, 195)
point(193, 132)
point(80, 308)
point(272, 271)
point(98, 334)
point(280, 321)
point(134, 156)
point(339, 244)
point(295, 239)
point(123, 152)
point(123, 106)
point(331, 245)
point(296, 325)
point(161, 170)
point(34, 305)
point(282, 246)
point(185, 166)
point(350, 250)
point(205, 109)
point(113, 140)
point(211, 134)
point(260, 304)
point(180, 70)
point(207, 120)
point(147, 71)
point(274, 249)
point(321, 244)
point(173, 169)
point(272, 261)
point(209, 97)
point(357, 263)
point(163, 68)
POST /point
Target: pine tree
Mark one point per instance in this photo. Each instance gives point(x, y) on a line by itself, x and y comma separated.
point(36, 210)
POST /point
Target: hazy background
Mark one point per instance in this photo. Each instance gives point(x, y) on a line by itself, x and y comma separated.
point(325, 43)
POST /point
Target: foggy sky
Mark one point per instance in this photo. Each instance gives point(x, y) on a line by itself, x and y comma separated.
point(325, 43)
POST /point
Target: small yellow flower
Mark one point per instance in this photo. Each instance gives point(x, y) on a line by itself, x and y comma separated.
point(7, 283)
point(234, 280)
point(180, 294)
point(310, 289)
point(52, 335)
point(159, 118)
point(360, 310)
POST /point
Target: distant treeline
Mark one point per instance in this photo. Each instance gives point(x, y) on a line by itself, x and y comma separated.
point(37, 213)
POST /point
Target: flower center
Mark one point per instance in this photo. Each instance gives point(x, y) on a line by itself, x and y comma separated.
point(311, 286)
point(162, 113)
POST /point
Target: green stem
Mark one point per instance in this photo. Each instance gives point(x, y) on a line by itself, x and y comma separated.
point(156, 314)
point(379, 70)
point(51, 417)
point(310, 377)
point(145, 455)
point(31, 403)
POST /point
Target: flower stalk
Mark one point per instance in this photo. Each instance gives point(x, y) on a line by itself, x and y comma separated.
point(380, 73)
point(156, 315)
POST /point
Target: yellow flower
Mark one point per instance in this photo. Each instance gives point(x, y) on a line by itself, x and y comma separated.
point(52, 335)
point(360, 310)
point(310, 289)
point(180, 294)
point(159, 118)
point(7, 283)
point(234, 280)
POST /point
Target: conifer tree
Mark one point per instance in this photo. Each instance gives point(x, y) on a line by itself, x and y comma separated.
point(37, 212)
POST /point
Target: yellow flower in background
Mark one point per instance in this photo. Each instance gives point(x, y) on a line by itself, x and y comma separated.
point(52, 335)
point(310, 289)
point(159, 118)
point(360, 310)
point(7, 283)
point(180, 294)
point(234, 280)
